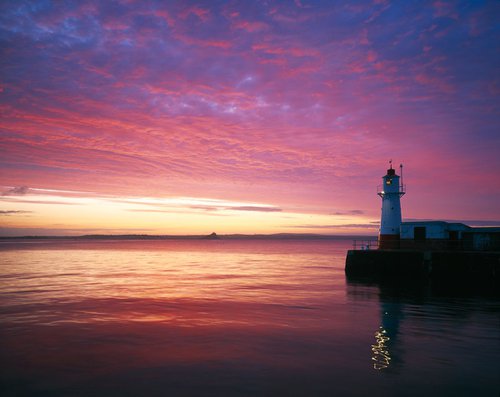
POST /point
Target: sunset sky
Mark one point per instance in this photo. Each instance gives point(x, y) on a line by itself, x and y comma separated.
point(188, 117)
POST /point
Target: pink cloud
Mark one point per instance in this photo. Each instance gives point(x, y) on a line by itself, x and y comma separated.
point(202, 13)
point(435, 82)
point(445, 9)
point(251, 26)
point(371, 56)
point(292, 51)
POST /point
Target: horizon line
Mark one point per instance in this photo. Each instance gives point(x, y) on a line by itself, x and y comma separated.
point(212, 236)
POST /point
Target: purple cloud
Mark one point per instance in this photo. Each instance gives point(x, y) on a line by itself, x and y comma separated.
point(14, 212)
point(16, 191)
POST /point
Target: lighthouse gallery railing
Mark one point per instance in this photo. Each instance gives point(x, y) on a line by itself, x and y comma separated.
point(380, 189)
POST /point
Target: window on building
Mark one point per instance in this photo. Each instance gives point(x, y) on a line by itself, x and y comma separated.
point(419, 233)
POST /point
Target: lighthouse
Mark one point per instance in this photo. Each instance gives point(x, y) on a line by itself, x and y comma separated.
point(390, 223)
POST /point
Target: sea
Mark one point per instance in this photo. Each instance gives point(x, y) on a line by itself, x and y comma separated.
point(229, 317)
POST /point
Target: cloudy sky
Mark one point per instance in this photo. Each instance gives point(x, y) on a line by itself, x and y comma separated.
point(187, 117)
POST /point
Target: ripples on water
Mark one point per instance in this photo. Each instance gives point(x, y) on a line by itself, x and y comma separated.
point(244, 318)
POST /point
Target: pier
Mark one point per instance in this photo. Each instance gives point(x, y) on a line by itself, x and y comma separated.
point(446, 266)
point(436, 250)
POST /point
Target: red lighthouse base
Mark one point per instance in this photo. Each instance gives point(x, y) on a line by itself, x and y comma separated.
point(388, 241)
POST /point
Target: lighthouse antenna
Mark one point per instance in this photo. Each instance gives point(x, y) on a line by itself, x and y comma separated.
point(401, 172)
point(390, 164)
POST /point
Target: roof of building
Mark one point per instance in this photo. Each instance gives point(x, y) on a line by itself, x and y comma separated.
point(453, 225)
point(485, 229)
point(443, 223)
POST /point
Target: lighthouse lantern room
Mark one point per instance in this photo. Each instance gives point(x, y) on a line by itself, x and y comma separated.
point(390, 191)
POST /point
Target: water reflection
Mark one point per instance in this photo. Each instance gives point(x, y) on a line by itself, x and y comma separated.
point(385, 350)
point(381, 355)
point(433, 317)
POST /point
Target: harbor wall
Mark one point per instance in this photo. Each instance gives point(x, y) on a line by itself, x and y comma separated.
point(443, 265)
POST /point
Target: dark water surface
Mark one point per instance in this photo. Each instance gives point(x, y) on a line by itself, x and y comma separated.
point(239, 318)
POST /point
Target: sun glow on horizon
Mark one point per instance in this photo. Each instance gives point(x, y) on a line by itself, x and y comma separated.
point(54, 212)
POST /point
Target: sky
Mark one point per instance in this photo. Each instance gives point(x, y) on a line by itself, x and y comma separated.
point(192, 117)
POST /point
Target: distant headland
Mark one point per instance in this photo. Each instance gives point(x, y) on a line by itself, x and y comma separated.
point(211, 236)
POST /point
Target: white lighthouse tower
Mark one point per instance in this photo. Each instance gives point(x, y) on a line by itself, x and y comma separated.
point(390, 223)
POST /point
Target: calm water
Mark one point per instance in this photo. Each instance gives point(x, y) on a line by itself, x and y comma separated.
point(242, 318)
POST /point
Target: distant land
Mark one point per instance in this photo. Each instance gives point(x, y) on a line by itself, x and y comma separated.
point(213, 236)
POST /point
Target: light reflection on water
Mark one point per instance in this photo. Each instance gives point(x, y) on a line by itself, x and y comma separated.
point(231, 318)
point(381, 354)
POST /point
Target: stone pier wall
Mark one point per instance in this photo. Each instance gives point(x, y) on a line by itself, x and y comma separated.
point(424, 264)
